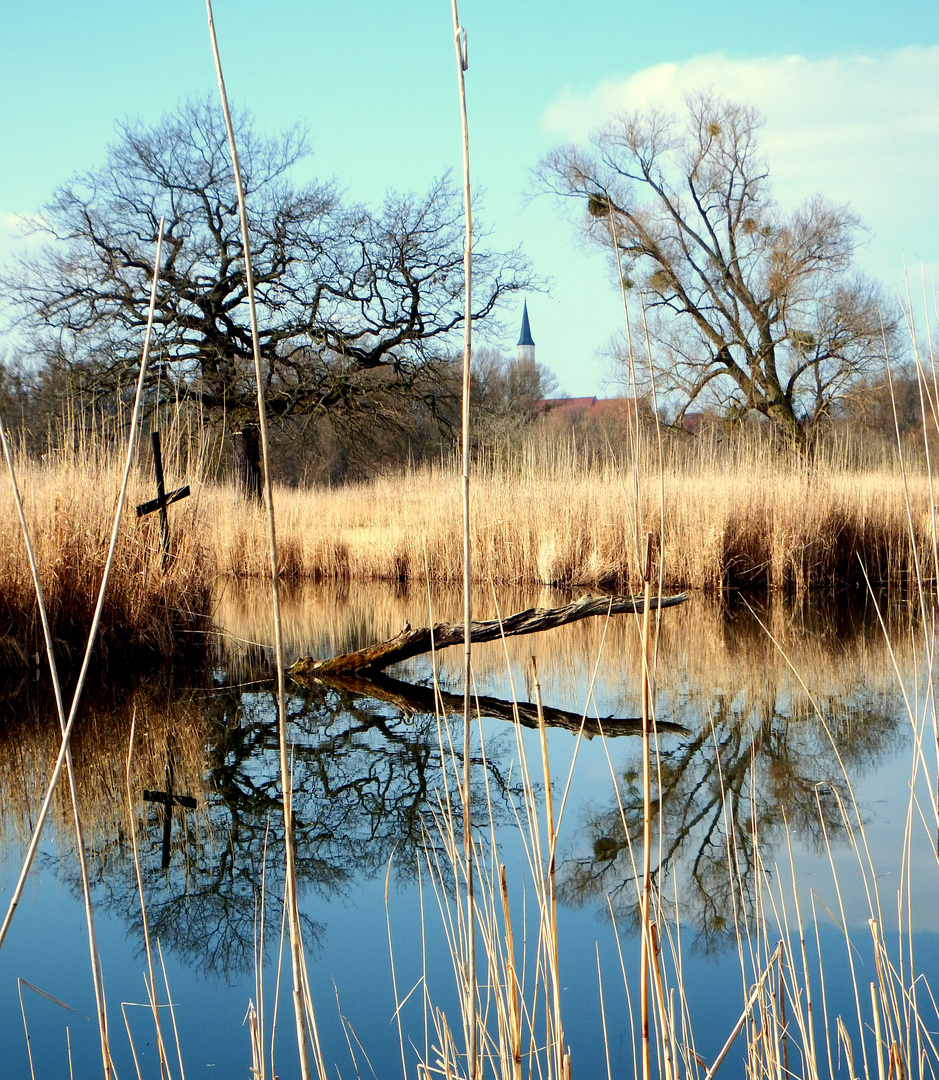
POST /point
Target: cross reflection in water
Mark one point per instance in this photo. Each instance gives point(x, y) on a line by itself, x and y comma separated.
point(169, 799)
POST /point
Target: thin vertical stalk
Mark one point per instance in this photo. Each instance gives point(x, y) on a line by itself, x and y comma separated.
point(290, 886)
point(669, 1061)
point(633, 428)
point(151, 988)
point(878, 1037)
point(551, 915)
point(70, 772)
point(514, 1019)
point(806, 981)
point(645, 943)
point(99, 606)
point(462, 62)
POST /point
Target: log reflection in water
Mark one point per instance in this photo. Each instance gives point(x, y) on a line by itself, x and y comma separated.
point(413, 699)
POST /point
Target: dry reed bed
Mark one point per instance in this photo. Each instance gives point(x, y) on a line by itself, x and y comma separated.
point(750, 524)
point(151, 612)
point(722, 528)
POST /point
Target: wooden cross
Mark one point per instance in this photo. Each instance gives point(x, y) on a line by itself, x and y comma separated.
point(162, 501)
point(169, 800)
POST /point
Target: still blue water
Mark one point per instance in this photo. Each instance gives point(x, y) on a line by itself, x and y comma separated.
point(363, 773)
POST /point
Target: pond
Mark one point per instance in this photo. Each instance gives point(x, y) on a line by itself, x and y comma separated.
point(774, 718)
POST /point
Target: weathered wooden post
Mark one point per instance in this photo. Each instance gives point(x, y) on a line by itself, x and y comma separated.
point(162, 501)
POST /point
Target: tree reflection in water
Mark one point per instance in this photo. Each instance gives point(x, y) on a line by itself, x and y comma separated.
point(759, 766)
point(755, 760)
point(364, 783)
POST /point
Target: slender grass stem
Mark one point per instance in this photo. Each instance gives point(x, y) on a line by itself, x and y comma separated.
point(459, 39)
point(100, 1006)
point(99, 606)
point(645, 950)
point(291, 901)
point(132, 824)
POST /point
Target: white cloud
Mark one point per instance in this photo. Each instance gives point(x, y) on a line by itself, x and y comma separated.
point(859, 129)
point(14, 224)
point(13, 239)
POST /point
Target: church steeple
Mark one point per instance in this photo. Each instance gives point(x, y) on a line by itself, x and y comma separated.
point(526, 345)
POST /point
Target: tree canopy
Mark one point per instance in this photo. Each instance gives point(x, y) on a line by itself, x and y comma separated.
point(748, 306)
point(355, 304)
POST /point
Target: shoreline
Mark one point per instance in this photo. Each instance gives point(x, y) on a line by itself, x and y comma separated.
point(743, 526)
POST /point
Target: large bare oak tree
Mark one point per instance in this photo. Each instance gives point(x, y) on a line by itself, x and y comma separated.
point(357, 307)
point(750, 308)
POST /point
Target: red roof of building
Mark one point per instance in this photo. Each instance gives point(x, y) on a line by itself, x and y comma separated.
point(579, 405)
point(570, 404)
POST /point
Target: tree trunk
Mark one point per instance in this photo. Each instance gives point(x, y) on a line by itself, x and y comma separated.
point(783, 416)
point(248, 475)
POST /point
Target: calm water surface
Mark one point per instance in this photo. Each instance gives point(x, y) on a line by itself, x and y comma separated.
point(784, 710)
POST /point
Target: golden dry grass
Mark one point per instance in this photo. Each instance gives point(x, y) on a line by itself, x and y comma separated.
point(751, 521)
point(739, 524)
point(150, 612)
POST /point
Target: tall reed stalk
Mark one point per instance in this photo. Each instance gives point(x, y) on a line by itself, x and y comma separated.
point(100, 1005)
point(67, 723)
point(151, 977)
point(646, 951)
point(649, 950)
point(99, 607)
point(290, 898)
point(462, 62)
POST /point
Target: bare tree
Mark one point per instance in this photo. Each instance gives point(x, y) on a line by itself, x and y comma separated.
point(748, 306)
point(344, 292)
point(505, 391)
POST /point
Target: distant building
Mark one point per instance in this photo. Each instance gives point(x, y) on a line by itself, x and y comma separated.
point(576, 409)
point(571, 407)
point(526, 344)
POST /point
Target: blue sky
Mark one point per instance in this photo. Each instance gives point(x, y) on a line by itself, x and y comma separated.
point(850, 93)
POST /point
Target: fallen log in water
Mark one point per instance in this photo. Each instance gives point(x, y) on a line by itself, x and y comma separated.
point(411, 699)
point(424, 639)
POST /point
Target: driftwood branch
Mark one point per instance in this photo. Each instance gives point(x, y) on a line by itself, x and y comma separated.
point(411, 699)
point(411, 643)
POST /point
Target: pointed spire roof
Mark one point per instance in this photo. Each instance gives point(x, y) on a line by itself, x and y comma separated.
point(525, 337)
